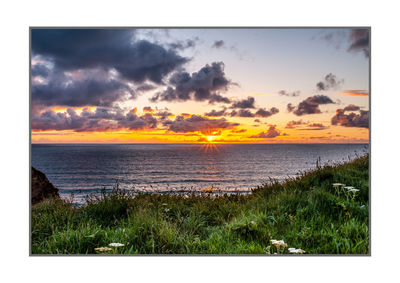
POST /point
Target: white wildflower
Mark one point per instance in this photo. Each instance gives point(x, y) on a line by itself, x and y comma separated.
point(278, 243)
point(349, 188)
point(116, 245)
point(296, 251)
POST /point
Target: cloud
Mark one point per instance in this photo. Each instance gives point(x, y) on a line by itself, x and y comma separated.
point(197, 123)
point(163, 114)
point(359, 41)
point(183, 44)
point(272, 132)
point(293, 124)
point(40, 70)
point(291, 94)
point(145, 87)
point(215, 113)
point(335, 38)
point(352, 119)
point(95, 89)
point(244, 103)
point(134, 60)
point(262, 112)
point(245, 113)
point(148, 109)
point(239, 131)
point(102, 119)
point(355, 40)
point(290, 107)
point(354, 92)
point(99, 67)
point(315, 127)
point(203, 85)
point(135, 122)
point(218, 44)
point(248, 103)
point(216, 98)
point(310, 105)
point(329, 82)
point(351, 107)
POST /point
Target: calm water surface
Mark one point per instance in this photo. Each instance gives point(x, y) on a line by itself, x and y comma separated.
point(83, 169)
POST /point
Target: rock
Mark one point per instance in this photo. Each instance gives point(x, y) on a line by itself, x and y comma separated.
point(41, 187)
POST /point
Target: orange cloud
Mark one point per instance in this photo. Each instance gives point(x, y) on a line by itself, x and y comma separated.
point(354, 92)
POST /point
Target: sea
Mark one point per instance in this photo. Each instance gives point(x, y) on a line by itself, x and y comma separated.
point(78, 170)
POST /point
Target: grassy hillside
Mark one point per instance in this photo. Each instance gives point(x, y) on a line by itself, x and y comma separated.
point(307, 213)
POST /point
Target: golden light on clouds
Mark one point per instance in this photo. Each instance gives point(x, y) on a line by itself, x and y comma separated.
point(354, 92)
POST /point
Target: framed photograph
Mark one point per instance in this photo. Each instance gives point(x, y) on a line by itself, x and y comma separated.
point(200, 141)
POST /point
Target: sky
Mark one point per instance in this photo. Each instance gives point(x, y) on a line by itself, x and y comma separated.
point(200, 85)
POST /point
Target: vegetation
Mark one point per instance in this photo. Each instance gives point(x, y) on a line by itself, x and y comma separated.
point(307, 212)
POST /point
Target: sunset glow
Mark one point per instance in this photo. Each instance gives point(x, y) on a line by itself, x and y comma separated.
point(199, 86)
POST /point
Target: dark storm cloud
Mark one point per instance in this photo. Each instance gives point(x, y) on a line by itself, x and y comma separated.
point(96, 66)
point(40, 70)
point(62, 91)
point(310, 105)
point(217, 98)
point(203, 85)
point(272, 132)
point(244, 103)
point(145, 87)
point(71, 49)
point(101, 120)
point(50, 120)
point(329, 82)
point(291, 94)
point(218, 44)
point(197, 123)
point(359, 39)
point(352, 119)
point(351, 107)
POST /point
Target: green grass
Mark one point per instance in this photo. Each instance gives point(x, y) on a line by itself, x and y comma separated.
point(305, 212)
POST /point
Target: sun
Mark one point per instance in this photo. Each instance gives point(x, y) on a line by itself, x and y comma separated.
point(209, 138)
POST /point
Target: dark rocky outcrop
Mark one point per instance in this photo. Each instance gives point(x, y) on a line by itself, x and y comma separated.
point(41, 187)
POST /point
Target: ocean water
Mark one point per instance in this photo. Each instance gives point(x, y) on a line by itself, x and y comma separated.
point(82, 168)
